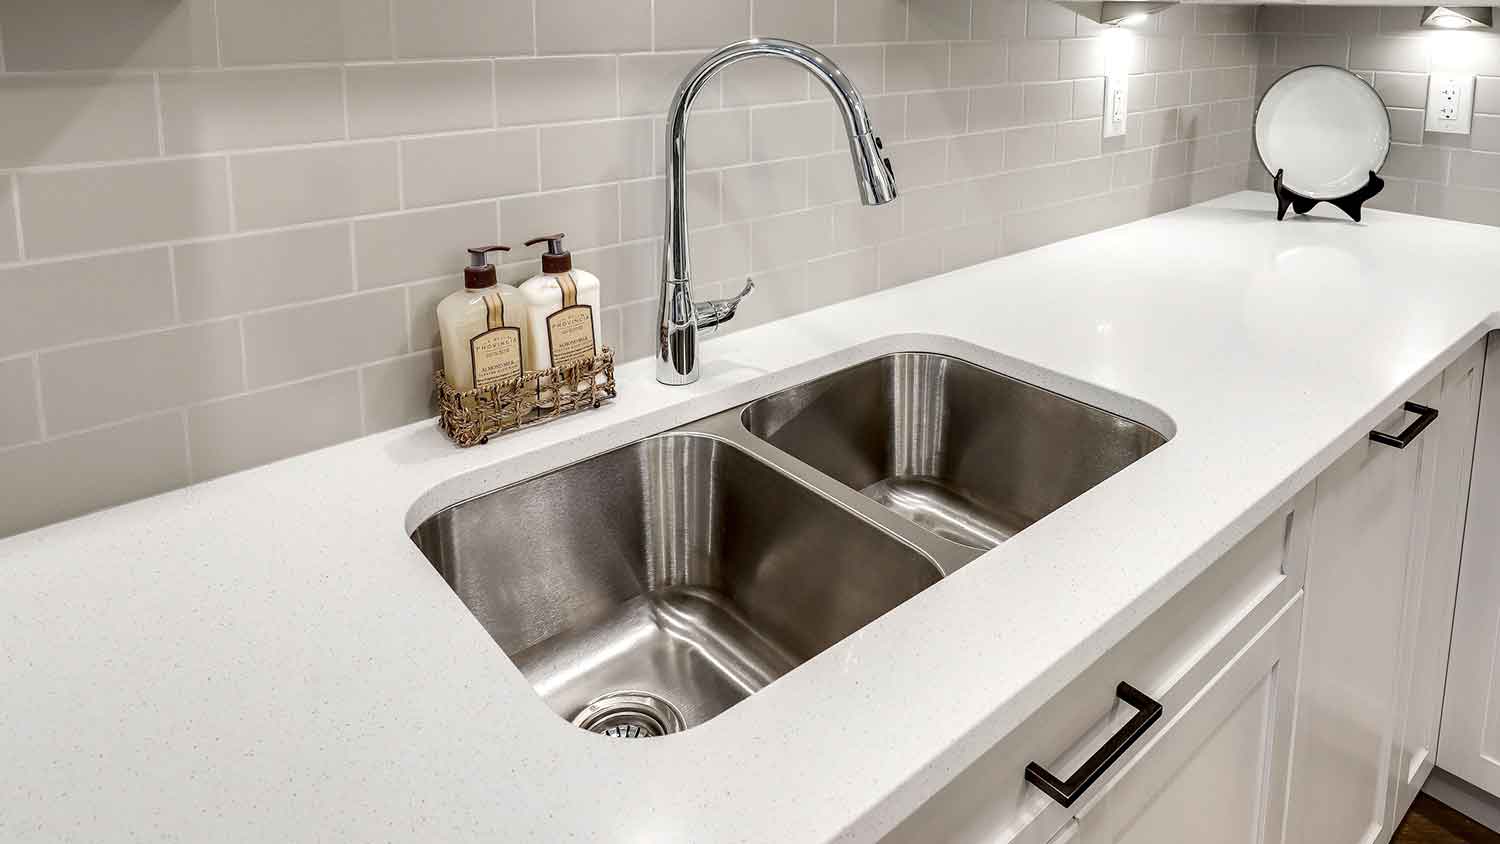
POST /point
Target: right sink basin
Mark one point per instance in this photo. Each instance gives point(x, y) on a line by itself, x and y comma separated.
point(966, 453)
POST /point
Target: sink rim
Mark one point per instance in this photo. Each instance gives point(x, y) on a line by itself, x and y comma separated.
point(473, 482)
point(1167, 435)
point(726, 425)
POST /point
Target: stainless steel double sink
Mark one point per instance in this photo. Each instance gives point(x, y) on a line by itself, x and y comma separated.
point(645, 590)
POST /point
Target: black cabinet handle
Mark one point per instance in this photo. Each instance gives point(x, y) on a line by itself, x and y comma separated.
point(1425, 417)
point(1147, 711)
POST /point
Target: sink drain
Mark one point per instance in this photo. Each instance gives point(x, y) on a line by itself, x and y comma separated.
point(629, 714)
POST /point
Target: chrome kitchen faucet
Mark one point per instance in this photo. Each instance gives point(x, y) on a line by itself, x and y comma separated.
point(680, 318)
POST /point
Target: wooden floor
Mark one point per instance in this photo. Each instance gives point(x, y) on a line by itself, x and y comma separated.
point(1431, 822)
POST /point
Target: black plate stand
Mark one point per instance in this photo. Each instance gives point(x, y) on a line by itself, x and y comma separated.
point(1351, 204)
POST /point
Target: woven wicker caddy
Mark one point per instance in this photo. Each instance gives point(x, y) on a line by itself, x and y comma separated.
point(471, 417)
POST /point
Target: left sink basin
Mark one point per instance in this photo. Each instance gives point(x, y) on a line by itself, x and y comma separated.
point(650, 588)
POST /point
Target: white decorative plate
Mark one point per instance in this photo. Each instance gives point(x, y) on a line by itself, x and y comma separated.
point(1325, 129)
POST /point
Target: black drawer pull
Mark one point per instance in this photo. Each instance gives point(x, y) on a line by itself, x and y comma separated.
point(1066, 793)
point(1425, 417)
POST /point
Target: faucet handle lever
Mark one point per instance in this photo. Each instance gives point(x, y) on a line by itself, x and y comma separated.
point(716, 312)
point(735, 300)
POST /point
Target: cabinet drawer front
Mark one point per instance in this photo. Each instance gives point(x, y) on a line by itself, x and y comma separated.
point(1210, 776)
point(1170, 657)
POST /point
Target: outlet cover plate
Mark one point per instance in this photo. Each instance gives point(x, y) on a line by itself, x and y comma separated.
point(1116, 104)
point(1450, 103)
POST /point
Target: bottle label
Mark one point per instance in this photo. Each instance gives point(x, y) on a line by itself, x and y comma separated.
point(570, 331)
point(496, 353)
point(570, 335)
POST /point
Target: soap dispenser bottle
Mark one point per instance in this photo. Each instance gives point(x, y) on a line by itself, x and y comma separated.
point(483, 327)
point(562, 307)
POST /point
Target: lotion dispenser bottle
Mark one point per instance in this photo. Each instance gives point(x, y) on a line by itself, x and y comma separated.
point(562, 309)
point(483, 327)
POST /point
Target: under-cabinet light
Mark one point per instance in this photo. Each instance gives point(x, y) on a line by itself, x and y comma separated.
point(1458, 17)
point(1120, 12)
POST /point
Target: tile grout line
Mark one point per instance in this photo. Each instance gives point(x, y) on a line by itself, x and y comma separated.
point(36, 389)
point(344, 98)
point(244, 355)
point(234, 223)
point(400, 180)
point(13, 184)
point(161, 115)
point(172, 280)
point(406, 310)
point(359, 390)
point(539, 140)
point(353, 259)
point(187, 444)
point(218, 34)
point(390, 27)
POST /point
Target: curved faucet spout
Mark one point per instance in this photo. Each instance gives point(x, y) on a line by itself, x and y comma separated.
point(677, 358)
point(873, 172)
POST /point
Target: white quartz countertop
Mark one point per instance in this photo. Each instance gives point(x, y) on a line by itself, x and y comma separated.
point(268, 657)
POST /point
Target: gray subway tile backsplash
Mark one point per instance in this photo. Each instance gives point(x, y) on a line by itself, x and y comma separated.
point(419, 245)
point(122, 462)
point(10, 238)
point(291, 186)
point(556, 89)
point(90, 385)
point(286, 31)
point(291, 343)
point(222, 278)
point(108, 34)
point(70, 211)
point(277, 167)
point(57, 119)
point(19, 420)
point(444, 169)
point(459, 28)
point(247, 430)
point(128, 292)
point(209, 110)
point(419, 97)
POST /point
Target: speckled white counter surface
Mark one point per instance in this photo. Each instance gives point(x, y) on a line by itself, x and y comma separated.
point(268, 658)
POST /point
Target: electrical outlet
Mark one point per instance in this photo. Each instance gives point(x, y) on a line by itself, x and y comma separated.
point(1450, 103)
point(1116, 104)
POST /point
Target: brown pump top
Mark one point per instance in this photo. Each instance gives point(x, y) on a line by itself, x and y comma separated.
point(480, 273)
point(556, 260)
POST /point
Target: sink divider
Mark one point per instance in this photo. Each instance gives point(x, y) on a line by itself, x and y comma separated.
point(727, 426)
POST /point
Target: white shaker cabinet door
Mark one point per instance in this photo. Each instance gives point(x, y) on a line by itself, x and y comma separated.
point(1348, 703)
point(1433, 579)
point(1469, 746)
